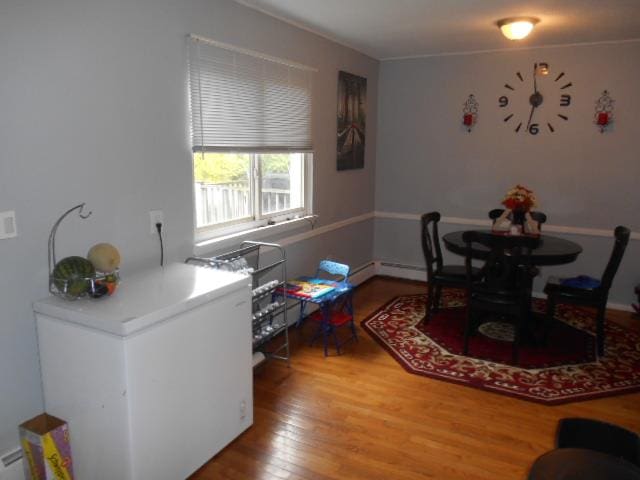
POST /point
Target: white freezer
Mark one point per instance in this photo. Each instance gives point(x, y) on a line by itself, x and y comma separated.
point(155, 380)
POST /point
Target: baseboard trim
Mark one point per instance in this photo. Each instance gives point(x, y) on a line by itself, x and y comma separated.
point(363, 273)
point(590, 232)
point(412, 272)
point(397, 270)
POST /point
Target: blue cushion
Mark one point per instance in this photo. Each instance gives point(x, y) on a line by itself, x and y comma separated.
point(581, 281)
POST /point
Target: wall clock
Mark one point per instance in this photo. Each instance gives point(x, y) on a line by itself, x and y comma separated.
point(536, 102)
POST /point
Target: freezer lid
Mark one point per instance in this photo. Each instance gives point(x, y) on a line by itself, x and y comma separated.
point(146, 298)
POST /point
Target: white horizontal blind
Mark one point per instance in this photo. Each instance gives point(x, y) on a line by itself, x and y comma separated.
point(245, 101)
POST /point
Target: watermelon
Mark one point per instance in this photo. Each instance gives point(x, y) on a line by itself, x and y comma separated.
point(70, 275)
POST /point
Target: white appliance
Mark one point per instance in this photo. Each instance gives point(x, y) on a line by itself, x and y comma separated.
point(154, 380)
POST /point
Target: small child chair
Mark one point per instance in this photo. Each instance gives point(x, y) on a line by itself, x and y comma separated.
point(335, 308)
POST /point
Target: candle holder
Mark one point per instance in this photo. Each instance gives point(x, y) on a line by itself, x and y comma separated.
point(603, 116)
point(470, 112)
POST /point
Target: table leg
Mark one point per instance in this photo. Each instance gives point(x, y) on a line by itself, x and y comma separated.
point(326, 319)
point(303, 305)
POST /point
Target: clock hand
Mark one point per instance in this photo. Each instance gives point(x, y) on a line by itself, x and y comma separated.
point(536, 99)
point(530, 116)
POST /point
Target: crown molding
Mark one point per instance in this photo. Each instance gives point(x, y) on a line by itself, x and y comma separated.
point(305, 27)
point(514, 49)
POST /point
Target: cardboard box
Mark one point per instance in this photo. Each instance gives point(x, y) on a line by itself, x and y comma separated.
point(46, 448)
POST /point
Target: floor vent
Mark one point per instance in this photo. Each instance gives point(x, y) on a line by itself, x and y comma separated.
point(11, 457)
point(11, 465)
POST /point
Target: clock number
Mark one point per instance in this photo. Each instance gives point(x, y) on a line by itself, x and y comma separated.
point(565, 100)
point(534, 128)
point(503, 101)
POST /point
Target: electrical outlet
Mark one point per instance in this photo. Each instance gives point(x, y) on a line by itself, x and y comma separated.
point(243, 409)
point(8, 225)
point(156, 216)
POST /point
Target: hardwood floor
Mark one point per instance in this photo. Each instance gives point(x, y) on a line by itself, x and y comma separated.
point(361, 416)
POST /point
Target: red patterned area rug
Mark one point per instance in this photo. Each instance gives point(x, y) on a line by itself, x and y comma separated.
point(561, 371)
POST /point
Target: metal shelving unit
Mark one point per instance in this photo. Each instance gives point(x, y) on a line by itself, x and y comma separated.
point(269, 311)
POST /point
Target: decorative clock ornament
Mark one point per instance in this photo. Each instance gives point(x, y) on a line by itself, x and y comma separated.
point(470, 112)
point(538, 111)
point(604, 111)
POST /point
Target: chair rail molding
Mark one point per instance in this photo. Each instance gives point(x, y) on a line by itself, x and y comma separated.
point(414, 272)
point(206, 247)
point(571, 230)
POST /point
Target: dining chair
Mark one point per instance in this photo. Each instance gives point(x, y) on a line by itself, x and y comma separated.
point(438, 274)
point(599, 436)
point(559, 290)
point(505, 287)
point(537, 216)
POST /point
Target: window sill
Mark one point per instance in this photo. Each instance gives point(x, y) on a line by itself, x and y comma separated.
point(225, 241)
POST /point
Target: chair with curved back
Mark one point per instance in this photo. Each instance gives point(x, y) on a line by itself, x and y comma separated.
point(558, 290)
point(537, 216)
point(438, 274)
point(505, 287)
point(599, 436)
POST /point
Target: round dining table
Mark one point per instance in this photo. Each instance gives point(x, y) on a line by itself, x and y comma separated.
point(550, 250)
point(581, 464)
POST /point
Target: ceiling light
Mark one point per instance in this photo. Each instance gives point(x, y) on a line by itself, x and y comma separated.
point(517, 28)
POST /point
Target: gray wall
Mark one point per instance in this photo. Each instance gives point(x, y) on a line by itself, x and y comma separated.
point(427, 160)
point(94, 108)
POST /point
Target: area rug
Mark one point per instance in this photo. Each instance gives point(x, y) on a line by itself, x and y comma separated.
point(562, 370)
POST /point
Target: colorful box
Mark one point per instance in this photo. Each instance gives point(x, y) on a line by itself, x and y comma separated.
point(46, 448)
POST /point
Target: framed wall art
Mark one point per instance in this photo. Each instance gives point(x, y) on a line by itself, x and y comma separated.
point(352, 116)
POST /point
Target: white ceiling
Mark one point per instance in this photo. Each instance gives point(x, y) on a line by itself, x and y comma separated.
point(386, 29)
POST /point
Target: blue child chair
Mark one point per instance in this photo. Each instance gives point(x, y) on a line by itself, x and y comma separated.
point(335, 308)
point(339, 272)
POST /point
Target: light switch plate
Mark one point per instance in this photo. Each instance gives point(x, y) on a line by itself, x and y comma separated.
point(8, 227)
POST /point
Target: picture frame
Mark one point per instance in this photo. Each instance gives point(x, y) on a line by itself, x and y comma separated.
point(352, 116)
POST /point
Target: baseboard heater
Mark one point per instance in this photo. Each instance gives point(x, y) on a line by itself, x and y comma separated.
point(412, 272)
point(403, 266)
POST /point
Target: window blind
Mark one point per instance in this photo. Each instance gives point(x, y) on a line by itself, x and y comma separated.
point(245, 101)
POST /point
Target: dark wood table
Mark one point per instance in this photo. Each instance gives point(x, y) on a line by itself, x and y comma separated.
point(582, 464)
point(550, 251)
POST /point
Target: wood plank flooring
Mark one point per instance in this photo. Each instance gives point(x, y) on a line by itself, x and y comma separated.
point(361, 416)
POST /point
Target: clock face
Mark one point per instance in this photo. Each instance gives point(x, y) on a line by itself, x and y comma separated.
point(536, 101)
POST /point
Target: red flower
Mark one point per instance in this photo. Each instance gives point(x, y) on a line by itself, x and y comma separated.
point(520, 198)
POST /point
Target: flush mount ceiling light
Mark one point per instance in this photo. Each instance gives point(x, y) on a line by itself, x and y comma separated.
point(517, 28)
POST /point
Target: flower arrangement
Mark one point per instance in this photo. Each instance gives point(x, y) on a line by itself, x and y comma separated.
point(520, 199)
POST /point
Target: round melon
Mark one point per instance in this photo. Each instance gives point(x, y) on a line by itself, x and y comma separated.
point(70, 275)
point(104, 257)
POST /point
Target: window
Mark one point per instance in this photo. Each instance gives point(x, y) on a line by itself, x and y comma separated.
point(251, 135)
point(240, 187)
